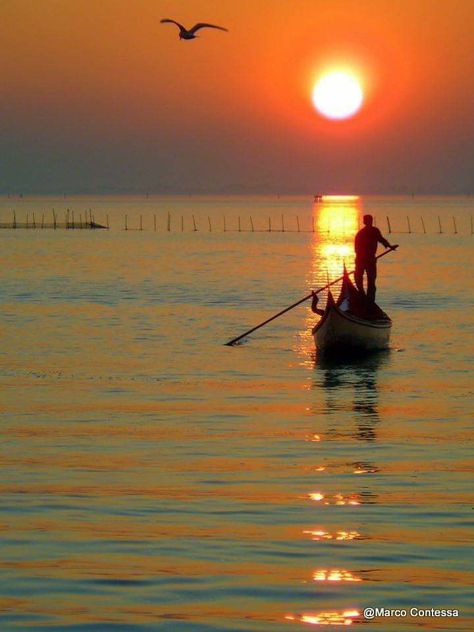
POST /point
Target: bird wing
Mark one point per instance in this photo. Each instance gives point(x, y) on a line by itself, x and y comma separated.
point(202, 25)
point(180, 26)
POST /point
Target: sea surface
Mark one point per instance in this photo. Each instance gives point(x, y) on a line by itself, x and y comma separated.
point(153, 478)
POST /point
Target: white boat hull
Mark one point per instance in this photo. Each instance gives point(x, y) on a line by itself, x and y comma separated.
point(340, 331)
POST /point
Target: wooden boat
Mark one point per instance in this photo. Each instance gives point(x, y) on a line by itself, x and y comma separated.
point(349, 325)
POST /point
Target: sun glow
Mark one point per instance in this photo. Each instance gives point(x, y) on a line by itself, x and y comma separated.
point(338, 95)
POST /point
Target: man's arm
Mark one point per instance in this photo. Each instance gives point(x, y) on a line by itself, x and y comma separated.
point(384, 242)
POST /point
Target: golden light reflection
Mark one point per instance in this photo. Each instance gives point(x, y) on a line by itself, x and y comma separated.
point(345, 198)
point(337, 499)
point(337, 250)
point(336, 220)
point(345, 617)
point(340, 500)
point(339, 536)
point(335, 575)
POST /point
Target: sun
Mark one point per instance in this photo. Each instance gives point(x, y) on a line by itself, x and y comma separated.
point(338, 95)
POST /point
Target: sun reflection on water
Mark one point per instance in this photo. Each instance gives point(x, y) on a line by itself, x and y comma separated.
point(335, 575)
point(346, 617)
point(339, 536)
point(337, 499)
point(336, 220)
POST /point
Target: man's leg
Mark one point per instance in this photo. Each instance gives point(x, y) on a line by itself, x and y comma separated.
point(371, 269)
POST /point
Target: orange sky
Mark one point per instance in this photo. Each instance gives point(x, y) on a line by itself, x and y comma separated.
point(98, 94)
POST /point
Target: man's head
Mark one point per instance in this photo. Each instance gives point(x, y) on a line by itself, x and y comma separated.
point(368, 220)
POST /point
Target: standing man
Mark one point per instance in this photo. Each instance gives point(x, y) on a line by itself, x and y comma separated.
point(365, 244)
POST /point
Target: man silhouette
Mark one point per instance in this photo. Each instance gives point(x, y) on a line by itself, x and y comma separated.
point(365, 245)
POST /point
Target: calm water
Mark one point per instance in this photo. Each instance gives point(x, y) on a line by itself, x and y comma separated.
point(154, 479)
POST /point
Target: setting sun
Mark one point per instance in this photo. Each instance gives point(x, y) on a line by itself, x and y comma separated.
point(337, 95)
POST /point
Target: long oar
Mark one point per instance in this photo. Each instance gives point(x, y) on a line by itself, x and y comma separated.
point(287, 309)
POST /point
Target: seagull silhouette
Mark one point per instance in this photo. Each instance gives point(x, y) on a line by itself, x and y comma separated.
point(189, 34)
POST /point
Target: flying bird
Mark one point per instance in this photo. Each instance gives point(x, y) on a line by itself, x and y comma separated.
point(189, 34)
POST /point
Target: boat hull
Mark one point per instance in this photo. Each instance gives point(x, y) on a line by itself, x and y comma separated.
point(339, 331)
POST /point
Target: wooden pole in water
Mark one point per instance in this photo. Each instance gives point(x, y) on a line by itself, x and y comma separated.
point(169, 222)
point(251, 224)
point(408, 224)
point(298, 223)
point(423, 224)
point(54, 220)
point(439, 224)
point(239, 225)
point(107, 218)
point(389, 228)
point(73, 220)
point(194, 224)
point(270, 224)
point(14, 219)
point(141, 222)
point(154, 222)
point(312, 223)
point(454, 226)
point(282, 223)
point(27, 220)
point(225, 227)
point(126, 222)
point(209, 222)
point(42, 220)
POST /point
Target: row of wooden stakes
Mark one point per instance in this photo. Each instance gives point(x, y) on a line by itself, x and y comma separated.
point(284, 224)
point(71, 220)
